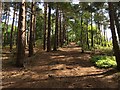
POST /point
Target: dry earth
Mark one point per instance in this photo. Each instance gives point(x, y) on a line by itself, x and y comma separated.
point(65, 68)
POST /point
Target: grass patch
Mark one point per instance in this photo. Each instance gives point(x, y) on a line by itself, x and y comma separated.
point(104, 61)
point(105, 49)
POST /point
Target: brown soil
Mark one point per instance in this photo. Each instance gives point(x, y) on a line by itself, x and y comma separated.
point(65, 68)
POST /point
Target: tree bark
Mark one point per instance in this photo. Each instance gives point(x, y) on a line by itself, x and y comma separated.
point(21, 36)
point(64, 32)
point(117, 24)
point(31, 31)
point(7, 33)
point(82, 35)
point(92, 42)
point(4, 34)
point(12, 28)
point(49, 29)
point(45, 21)
point(87, 36)
point(1, 29)
point(56, 31)
point(34, 23)
point(114, 37)
point(60, 31)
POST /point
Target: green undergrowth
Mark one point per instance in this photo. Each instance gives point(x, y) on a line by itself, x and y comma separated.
point(108, 50)
point(103, 61)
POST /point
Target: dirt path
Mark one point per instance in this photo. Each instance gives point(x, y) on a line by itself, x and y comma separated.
point(65, 68)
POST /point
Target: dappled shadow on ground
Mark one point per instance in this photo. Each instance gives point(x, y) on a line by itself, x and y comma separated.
point(65, 68)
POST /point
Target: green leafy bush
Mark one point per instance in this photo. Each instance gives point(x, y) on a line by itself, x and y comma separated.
point(104, 61)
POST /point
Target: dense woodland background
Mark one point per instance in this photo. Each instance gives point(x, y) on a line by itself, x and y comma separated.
point(57, 25)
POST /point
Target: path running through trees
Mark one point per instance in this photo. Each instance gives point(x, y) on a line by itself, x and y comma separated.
point(65, 68)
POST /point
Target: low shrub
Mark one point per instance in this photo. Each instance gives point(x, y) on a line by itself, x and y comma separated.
point(104, 61)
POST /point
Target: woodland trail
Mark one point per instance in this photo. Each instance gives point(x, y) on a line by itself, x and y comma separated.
point(65, 68)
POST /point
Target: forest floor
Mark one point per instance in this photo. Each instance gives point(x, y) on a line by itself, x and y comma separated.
point(65, 68)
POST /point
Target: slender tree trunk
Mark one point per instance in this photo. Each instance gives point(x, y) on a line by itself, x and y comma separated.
point(67, 37)
point(1, 35)
point(31, 31)
point(16, 29)
point(45, 21)
point(34, 23)
point(60, 35)
point(49, 29)
point(104, 37)
point(64, 32)
point(26, 26)
point(21, 36)
point(117, 24)
point(99, 33)
point(35, 33)
point(4, 34)
point(56, 32)
point(12, 28)
point(87, 36)
point(114, 37)
point(92, 43)
point(7, 33)
point(82, 35)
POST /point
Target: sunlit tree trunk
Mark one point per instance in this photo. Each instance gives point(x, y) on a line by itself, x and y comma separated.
point(16, 29)
point(35, 32)
point(87, 36)
point(7, 33)
point(31, 41)
point(104, 36)
point(60, 31)
point(21, 36)
point(12, 28)
point(34, 23)
point(114, 37)
point(82, 35)
point(4, 34)
point(56, 31)
point(1, 29)
point(117, 24)
point(49, 29)
point(45, 21)
point(92, 41)
point(99, 33)
point(64, 31)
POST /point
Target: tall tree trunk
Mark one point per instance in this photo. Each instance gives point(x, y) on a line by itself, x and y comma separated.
point(56, 31)
point(81, 39)
point(49, 29)
point(34, 23)
point(26, 26)
point(11, 34)
point(67, 37)
point(16, 29)
point(114, 37)
point(4, 34)
point(64, 32)
point(87, 36)
point(31, 31)
point(117, 24)
point(45, 21)
point(1, 44)
point(21, 36)
point(92, 43)
point(0, 31)
point(7, 33)
point(60, 31)
point(35, 33)
point(104, 36)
